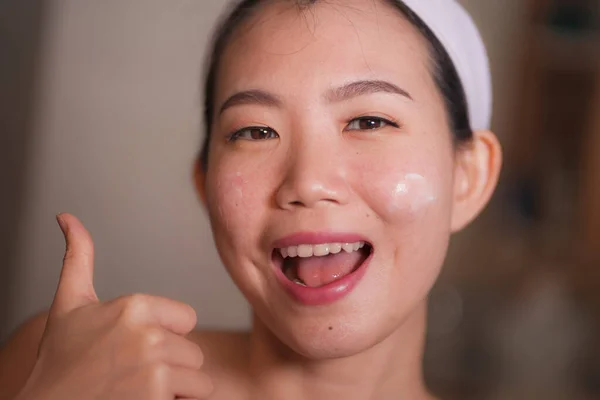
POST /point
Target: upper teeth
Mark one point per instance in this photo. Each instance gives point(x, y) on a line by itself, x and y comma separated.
point(319, 250)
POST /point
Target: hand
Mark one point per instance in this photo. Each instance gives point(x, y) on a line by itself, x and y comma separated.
point(133, 347)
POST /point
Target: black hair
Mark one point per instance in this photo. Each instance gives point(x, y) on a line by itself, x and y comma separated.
point(444, 71)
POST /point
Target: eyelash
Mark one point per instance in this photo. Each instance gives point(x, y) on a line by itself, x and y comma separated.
point(265, 129)
point(373, 118)
point(237, 134)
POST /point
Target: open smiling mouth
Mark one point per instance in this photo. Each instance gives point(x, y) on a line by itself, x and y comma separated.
point(316, 266)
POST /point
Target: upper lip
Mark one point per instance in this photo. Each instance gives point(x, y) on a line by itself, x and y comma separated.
point(314, 238)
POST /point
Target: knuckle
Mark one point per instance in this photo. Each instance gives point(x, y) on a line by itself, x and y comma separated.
point(134, 308)
point(152, 337)
point(69, 255)
point(75, 253)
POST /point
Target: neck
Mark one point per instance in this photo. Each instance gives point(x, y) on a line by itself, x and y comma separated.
point(392, 369)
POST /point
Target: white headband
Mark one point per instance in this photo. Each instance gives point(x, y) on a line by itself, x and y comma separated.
point(457, 32)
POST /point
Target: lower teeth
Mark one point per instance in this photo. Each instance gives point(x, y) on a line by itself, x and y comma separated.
point(289, 272)
point(299, 282)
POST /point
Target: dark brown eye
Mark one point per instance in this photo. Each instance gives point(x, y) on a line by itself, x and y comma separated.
point(368, 123)
point(254, 133)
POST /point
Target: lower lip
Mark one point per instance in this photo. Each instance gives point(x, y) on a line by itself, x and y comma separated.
point(326, 294)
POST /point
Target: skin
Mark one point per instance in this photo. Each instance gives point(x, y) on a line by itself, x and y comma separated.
point(406, 188)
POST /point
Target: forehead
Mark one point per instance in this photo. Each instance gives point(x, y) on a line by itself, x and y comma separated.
point(287, 48)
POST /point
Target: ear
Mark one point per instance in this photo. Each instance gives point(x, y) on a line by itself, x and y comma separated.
point(200, 180)
point(476, 171)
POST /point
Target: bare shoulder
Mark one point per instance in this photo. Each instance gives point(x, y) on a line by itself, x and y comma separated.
point(223, 350)
point(18, 355)
point(225, 360)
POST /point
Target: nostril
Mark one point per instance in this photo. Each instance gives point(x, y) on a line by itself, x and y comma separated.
point(298, 203)
point(307, 194)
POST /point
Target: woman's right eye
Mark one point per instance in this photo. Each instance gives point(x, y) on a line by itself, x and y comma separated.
point(254, 133)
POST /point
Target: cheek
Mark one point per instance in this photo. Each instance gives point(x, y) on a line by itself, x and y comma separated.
point(232, 189)
point(412, 200)
point(409, 192)
point(229, 199)
point(225, 193)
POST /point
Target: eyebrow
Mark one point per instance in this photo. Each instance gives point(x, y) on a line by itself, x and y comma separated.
point(336, 95)
point(254, 96)
point(361, 88)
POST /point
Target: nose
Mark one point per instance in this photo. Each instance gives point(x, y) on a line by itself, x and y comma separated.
point(315, 174)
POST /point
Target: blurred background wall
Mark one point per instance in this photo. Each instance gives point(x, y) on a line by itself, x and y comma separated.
point(112, 130)
point(20, 44)
point(100, 116)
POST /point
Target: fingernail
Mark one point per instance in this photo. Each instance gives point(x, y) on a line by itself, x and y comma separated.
point(61, 223)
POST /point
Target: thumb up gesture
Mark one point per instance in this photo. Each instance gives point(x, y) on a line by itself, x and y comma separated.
point(133, 347)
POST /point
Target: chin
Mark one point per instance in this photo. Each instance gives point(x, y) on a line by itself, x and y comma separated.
point(330, 338)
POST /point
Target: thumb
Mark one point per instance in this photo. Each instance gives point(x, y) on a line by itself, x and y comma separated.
point(76, 284)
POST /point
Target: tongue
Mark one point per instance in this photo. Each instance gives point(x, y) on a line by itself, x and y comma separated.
point(319, 271)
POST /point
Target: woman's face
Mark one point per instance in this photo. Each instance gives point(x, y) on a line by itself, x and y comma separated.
point(348, 143)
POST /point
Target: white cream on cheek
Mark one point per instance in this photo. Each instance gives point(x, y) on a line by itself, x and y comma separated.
point(413, 193)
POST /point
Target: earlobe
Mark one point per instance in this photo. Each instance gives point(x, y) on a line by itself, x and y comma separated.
point(200, 180)
point(477, 168)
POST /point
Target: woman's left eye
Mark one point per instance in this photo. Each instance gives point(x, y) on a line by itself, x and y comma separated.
point(369, 123)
